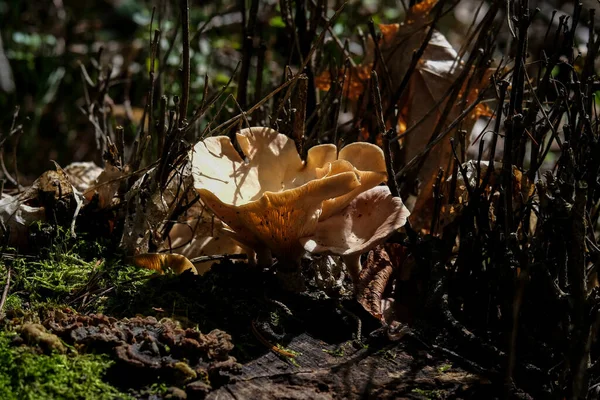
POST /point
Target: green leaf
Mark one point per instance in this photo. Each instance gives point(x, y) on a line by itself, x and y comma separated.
point(277, 22)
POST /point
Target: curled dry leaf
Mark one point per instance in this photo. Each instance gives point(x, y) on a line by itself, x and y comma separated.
point(16, 216)
point(83, 174)
point(163, 262)
point(373, 281)
point(354, 84)
point(105, 186)
point(384, 290)
point(153, 208)
point(435, 73)
point(36, 203)
point(275, 198)
point(194, 233)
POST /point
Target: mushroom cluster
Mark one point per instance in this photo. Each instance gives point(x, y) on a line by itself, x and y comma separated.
point(275, 204)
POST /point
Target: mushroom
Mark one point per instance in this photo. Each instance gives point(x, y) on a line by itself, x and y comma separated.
point(274, 198)
point(367, 221)
point(202, 235)
point(162, 262)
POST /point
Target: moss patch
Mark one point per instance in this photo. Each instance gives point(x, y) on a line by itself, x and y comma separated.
point(25, 374)
point(80, 272)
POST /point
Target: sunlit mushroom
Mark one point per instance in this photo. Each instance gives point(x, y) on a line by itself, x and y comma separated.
point(163, 262)
point(202, 235)
point(366, 222)
point(274, 198)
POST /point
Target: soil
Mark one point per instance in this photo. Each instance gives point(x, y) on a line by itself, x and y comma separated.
point(316, 354)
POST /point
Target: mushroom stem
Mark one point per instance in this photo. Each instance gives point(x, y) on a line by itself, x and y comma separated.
point(264, 258)
point(352, 262)
point(288, 272)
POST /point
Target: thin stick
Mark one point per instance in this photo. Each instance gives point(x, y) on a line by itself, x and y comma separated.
point(299, 124)
point(260, 66)
point(310, 53)
point(247, 53)
point(232, 121)
point(14, 160)
point(441, 136)
point(387, 152)
point(219, 257)
point(206, 105)
point(185, 30)
point(339, 104)
point(380, 60)
point(268, 344)
point(377, 102)
point(5, 293)
point(414, 61)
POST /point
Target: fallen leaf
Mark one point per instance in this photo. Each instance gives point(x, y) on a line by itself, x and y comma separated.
point(355, 83)
point(105, 186)
point(373, 281)
point(435, 73)
point(82, 174)
point(16, 217)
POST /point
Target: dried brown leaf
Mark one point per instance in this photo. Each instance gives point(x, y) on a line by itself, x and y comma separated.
point(355, 83)
point(373, 281)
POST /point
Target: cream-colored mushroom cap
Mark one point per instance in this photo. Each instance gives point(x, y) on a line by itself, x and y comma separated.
point(367, 221)
point(274, 198)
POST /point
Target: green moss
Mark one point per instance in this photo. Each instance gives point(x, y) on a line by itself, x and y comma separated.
point(13, 302)
point(52, 278)
point(68, 271)
point(27, 375)
point(429, 394)
point(445, 368)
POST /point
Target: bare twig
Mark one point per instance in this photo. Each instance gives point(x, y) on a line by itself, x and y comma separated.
point(208, 104)
point(184, 6)
point(219, 257)
point(386, 135)
point(299, 124)
point(413, 63)
point(247, 52)
point(260, 66)
point(380, 61)
point(5, 293)
point(309, 56)
point(441, 136)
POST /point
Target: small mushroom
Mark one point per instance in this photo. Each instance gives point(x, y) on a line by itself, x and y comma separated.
point(162, 262)
point(366, 222)
point(201, 236)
